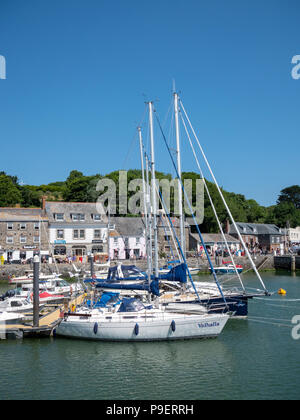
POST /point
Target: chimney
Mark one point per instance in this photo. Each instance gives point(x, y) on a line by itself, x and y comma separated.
point(227, 230)
point(44, 202)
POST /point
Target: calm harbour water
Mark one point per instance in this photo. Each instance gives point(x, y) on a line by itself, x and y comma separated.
point(252, 359)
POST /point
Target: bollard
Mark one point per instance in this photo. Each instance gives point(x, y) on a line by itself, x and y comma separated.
point(36, 291)
point(92, 265)
point(293, 263)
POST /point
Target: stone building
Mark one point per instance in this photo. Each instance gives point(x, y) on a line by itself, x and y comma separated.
point(23, 234)
point(264, 236)
point(213, 242)
point(167, 243)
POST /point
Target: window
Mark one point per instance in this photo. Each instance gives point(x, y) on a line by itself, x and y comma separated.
point(10, 226)
point(78, 234)
point(36, 239)
point(60, 250)
point(137, 241)
point(36, 226)
point(23, 239)
point(60, 234)
point(59, 217)
point(9, 240)
point(96, 217)
point(116, 241)
point(22, 226)
point(78, 217)
point(97, 234)
point(97, 250)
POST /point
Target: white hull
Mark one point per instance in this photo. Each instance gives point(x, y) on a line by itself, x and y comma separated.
point(139, 328)
point(18, 305)
point(11, 318)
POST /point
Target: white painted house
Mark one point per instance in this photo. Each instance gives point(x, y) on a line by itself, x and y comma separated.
point(127, 240)
point(76, 230)
point(293, 235)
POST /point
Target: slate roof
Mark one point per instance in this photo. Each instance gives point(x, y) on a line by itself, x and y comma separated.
point(214, 237)
point(175, 221)
point(256, 229)
point(128, 226)
point(15, 214)
point(88, 209)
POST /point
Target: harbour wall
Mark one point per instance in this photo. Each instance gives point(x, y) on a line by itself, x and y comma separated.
point(261, 262)
point(288, 262)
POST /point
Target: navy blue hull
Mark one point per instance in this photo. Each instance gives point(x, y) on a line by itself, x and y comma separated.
point(237, 305)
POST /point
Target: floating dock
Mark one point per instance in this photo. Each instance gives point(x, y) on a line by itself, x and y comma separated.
point(47, 323)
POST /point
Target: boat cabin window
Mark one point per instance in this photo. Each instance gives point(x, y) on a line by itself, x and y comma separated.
point(131, 305)
point(15, 303)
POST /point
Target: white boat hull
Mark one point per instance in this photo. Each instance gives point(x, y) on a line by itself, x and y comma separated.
point(172, 327)
point(10, 318)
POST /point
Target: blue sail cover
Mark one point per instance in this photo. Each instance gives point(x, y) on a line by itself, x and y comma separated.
point(177, 273)
point(154, 286)
point(106, 298)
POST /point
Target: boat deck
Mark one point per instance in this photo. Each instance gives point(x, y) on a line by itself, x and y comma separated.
point(47, 323)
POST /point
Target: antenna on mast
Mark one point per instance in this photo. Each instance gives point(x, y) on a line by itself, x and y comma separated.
point(174, 85)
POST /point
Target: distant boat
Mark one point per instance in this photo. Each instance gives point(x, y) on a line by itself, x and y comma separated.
point(18, 305)
point(228, 268)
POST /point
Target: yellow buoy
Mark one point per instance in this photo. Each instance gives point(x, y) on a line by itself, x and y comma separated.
point(282, 292)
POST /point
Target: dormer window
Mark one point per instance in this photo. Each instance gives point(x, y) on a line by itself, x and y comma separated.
point(59, 217)
point(96, 217)
point(78, 217)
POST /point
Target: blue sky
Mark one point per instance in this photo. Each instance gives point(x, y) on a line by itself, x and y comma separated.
point(79, 72)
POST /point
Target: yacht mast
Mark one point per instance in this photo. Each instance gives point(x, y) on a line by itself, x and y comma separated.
point(178, 154)
point(153, 191)
point(148, 249)
point(148, 204)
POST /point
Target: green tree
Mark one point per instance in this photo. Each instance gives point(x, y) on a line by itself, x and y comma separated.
point(290, 195)
point(10, 194)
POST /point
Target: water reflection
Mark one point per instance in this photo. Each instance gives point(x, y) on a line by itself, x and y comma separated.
point(249, 360)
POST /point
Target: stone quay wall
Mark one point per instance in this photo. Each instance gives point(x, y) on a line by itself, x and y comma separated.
point(261, 262)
